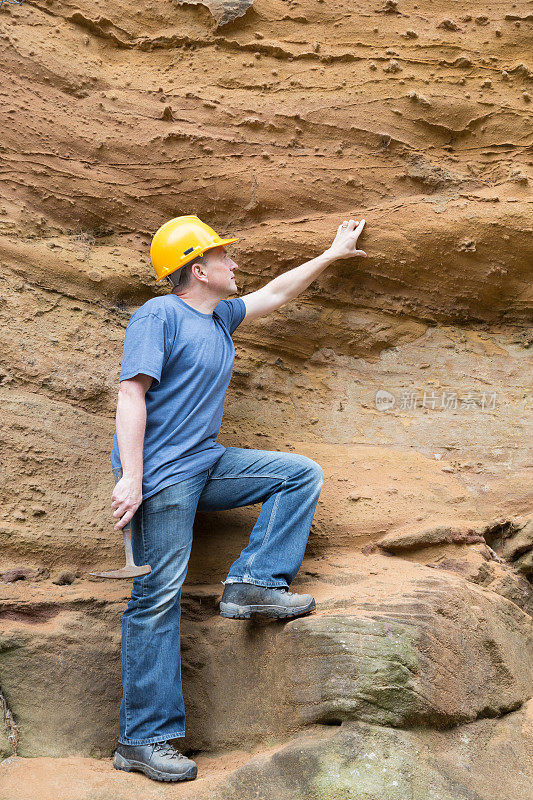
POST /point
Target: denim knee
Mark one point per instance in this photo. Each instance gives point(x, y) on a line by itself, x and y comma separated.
point(311, 470)
point(315, 470)
point(160, 613)
point(160, 600)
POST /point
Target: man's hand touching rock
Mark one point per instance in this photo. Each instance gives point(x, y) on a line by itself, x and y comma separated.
point(344, 244)
point(126, 499)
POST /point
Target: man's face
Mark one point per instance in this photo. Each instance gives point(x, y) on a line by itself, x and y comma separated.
point(220, 269)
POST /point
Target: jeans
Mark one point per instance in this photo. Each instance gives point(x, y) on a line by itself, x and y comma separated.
point(288, 486)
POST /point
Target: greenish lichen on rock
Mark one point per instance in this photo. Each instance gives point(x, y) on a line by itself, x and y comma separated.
point(9, 737)
point(223, 11)
point(359, 761)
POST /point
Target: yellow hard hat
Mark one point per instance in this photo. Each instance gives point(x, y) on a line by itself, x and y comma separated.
point(181, 240)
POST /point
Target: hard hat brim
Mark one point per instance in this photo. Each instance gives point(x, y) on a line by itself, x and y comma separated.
point(221, 243)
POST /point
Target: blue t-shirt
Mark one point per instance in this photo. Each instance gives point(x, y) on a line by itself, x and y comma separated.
point(190, 356)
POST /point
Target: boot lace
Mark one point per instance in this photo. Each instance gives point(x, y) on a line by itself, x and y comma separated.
point(166, 749)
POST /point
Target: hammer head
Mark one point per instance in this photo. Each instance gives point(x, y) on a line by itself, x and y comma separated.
point(125, 572)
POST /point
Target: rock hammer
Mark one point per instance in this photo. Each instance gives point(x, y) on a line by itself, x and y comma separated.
point(130, 569)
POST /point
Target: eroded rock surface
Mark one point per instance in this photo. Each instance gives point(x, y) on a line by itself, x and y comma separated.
point(401, 645)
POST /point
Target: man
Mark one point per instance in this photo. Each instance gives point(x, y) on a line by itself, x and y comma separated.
point(177, 363)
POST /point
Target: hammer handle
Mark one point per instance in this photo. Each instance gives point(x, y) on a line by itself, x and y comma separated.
point(127, 547)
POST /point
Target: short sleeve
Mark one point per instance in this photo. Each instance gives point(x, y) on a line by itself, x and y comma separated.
point(231, 312)
point(144, 347)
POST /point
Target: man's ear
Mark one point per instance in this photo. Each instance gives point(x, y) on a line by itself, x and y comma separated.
point(199, 271)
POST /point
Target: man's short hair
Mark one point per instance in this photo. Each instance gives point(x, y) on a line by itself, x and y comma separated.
point(181, 278)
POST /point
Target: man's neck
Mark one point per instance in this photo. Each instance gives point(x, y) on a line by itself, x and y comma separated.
point(204, 304)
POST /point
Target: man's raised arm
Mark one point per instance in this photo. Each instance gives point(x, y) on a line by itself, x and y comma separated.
point(291, 283)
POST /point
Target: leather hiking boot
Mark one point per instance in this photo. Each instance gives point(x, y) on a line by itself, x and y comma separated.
point(159, 761)
point(242, 600)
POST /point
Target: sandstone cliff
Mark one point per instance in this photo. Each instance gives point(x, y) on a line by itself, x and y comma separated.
point(405, 375)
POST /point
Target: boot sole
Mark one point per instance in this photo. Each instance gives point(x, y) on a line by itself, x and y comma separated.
point(128, 765)
point(234, 611)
